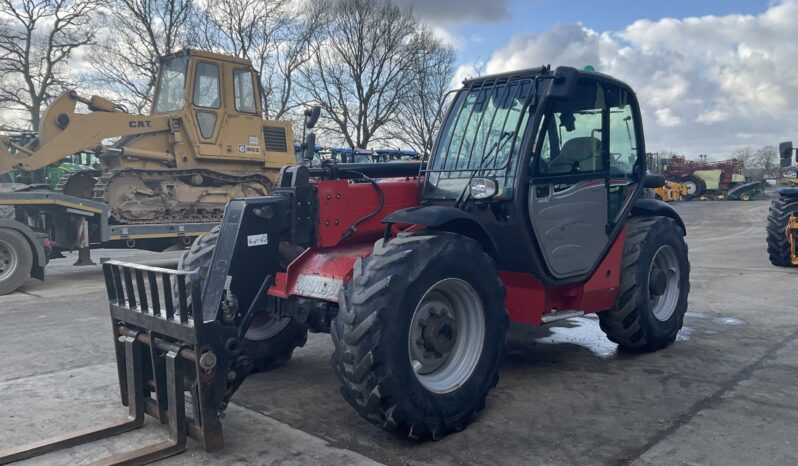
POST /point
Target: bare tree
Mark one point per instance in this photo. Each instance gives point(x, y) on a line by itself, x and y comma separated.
point(421, 109)
point(270, 33)
point(768, 158)
point(37, 39)
point(362, 67)
point(141, 32)
point(747, 155)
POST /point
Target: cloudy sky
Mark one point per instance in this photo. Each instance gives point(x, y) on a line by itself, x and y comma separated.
point(711, 75)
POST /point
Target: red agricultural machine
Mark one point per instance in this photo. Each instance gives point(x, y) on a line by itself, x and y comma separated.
point(694, 174)
point(528, 210)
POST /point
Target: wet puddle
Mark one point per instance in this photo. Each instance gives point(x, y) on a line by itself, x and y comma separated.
point(585, 332)
point(733, 321)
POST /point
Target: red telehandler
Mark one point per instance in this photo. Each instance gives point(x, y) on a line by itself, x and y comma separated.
point(529, 210)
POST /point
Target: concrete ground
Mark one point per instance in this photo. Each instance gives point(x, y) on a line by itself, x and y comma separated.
point(722, 394)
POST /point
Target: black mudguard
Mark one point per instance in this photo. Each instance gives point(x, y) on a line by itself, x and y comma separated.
point(445, 218)
point(655, 207)
point(787, 192)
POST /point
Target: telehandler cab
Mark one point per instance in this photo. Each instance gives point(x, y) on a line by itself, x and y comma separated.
point(528, 210)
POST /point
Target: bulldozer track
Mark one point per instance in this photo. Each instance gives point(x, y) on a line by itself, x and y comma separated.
point(206, 216)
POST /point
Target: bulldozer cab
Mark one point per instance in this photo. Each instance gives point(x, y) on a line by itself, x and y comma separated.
point(220, 96)
point(548, 161)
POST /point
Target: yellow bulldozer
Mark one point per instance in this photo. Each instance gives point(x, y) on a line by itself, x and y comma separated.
point(203, 143)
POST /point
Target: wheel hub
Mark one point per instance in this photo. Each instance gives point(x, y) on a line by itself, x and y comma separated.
point(658, 282)
point(439, 333)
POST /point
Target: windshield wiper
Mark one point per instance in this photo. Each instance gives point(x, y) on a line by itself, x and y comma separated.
point(465, 193)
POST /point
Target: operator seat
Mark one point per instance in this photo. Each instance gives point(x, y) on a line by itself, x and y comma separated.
point(585, 150)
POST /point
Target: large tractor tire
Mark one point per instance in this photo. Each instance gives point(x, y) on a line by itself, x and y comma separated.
point(695, 186)
point(654, 284)
point(16, 259)
point(781, 208)
point(6, 211)
point(270, 341)
point(419, 336)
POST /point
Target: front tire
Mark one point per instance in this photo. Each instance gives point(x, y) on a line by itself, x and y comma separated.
point(781, 208)
point(654, 284)
point(418, 336)
point(270, 341)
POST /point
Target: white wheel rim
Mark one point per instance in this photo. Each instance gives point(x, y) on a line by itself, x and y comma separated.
point(446, 336)
point(663, 283)
point(8, 260)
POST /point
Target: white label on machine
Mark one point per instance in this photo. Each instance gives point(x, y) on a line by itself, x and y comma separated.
point(316, 286)
point(254, 141)
point(257, 240)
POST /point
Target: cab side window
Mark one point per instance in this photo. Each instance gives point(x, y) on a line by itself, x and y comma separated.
point(244, 91)
point(623, 137)
point(572, 134)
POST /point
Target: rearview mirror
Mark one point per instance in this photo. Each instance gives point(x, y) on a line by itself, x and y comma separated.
point(312, 116)
point(785, 153)
point(310, 146)
point(654, 181)
point(564, 83)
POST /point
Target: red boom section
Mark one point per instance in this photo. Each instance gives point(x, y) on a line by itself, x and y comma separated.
point(321, 270)
point(528, 300)
point(342, 203)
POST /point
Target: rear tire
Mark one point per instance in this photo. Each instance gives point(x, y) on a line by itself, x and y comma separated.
point(695, 186)
point(419, 336)
point(654, 284)
point(16, 259)
point(781, 207)
point(269, 342)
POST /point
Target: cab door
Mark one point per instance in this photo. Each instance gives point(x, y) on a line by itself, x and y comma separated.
point(206, 104)
point(568, 196)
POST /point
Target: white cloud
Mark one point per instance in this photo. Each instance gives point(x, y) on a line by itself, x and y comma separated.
point(453, 11)
point(706, 85)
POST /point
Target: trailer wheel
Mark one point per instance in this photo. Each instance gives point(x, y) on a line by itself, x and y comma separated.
point(270, 341)
point(781, 208)
point(419, 336)
point(16, 259)
point(654, 284)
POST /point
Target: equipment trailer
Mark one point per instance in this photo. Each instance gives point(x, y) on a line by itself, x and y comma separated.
point(36, 226)
point(528, 210)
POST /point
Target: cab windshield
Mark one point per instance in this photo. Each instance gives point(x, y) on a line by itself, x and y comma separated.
point(171, 89)
point(482, 134)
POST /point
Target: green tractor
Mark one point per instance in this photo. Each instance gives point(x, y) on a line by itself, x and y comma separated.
point(50, 176)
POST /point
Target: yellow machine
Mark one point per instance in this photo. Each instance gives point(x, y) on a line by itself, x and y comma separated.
point(671, 191)
point(203, 143)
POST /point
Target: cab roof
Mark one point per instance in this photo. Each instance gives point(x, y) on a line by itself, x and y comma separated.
point(209, 56)
point(529, 73)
